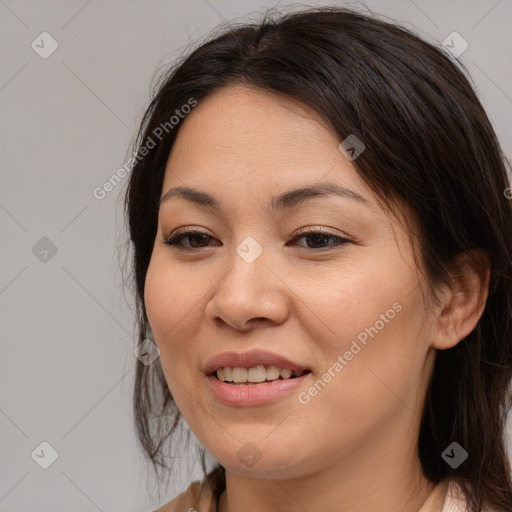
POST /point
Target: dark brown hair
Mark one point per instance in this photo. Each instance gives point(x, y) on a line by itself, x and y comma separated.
point(429, 144)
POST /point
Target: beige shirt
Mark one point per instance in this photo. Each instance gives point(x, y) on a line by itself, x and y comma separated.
point(203, 497)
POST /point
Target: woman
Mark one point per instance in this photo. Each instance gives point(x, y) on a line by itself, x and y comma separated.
point(321, 254)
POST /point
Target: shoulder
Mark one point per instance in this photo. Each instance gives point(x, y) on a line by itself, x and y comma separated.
point(199, 496)
point(188, 499)
point(455, 501)
point(196, 498)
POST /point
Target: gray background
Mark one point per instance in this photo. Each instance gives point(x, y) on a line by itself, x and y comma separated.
point(67, 363)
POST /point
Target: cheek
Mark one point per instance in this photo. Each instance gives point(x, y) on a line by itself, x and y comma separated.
point(159, 299)
point(372, 319)
point(167, 308)
point(170, 307)
point(168, 295)
point(382, 345)
point(364, 295)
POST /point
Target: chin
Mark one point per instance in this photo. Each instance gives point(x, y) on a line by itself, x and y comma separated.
point(249, 460)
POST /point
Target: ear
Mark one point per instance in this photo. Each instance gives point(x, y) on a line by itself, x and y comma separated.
point(464, 301)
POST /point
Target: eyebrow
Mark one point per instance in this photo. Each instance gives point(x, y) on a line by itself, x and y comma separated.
point(284, 201)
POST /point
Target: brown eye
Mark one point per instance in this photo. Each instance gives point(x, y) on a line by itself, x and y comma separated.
point(318, 239)
point(197, 240)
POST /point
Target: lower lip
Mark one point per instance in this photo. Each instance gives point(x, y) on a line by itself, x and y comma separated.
point(245, 395)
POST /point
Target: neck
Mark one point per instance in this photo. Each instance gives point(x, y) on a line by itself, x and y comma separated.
point(289, 495)
point(387, 478)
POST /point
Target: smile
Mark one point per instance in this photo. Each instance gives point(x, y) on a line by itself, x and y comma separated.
point(256, 375)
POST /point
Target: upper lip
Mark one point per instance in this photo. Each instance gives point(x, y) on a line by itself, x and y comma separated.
point(249, 360)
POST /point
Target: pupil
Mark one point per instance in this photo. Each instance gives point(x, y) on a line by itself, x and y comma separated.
point(191, 237)
point(317, 238)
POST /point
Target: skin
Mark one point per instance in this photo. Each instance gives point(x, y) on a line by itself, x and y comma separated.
point(353, 446)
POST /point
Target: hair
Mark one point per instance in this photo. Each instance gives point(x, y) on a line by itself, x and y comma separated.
point(429, 145)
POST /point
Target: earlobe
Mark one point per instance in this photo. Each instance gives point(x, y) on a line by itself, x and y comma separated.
point(464, 301)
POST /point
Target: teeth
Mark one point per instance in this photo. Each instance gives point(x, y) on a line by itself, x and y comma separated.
point(285, 373)
point(240, 374)
point(273, 373)
point(256, 374)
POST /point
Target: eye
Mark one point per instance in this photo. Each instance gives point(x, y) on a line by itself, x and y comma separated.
point(199, 240)
point(319, 237)
point(196, 239)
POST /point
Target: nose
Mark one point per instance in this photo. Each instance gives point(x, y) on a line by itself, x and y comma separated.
point(249, 294)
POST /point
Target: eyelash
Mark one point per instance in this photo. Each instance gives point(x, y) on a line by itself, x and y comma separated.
point(173, 241)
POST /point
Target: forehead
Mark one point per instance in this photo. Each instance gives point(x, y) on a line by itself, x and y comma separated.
point(243, 135)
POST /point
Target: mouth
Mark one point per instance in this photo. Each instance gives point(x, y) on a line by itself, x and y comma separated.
point(254, 378)
point(255, 375)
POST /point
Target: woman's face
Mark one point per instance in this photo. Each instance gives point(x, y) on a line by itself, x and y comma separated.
point(251, 288)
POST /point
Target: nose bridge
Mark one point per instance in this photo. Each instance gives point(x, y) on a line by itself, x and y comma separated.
point(249, 289)
point(248, 268)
